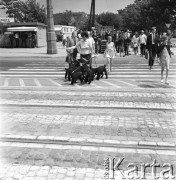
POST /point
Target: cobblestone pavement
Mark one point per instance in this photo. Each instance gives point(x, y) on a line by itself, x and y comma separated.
point(51, 130)
point(50, 162)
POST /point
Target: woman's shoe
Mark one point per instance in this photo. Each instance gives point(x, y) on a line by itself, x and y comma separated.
point(162, 81)
point(166, 82)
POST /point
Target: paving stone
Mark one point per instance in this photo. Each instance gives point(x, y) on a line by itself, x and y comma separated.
point(147, 143)
point(166, 144)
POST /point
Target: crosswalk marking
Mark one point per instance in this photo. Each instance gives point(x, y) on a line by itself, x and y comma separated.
point(125, 82)
point(106, 82)
point(6, 82)
point(77, 85)
point(37, 83)
point(22, 82)
point(123, 75)
point(54, 82)
point(93, 84)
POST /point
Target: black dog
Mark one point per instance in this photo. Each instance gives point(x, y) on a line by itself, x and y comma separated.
point(88, 74)
point(100, 71)
point(68, 72)
point(72, 66)
point(77, 73)
point(75, 76)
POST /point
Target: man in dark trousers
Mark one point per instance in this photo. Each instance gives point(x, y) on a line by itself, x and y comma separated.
point(152, 46)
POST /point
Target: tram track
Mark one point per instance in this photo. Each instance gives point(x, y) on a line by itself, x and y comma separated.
point(85, 143)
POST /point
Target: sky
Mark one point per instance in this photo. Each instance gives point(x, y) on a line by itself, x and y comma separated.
point(85, 5)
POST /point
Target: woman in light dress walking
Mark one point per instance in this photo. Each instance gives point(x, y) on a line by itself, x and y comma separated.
point(164, 54)
point(135, 43)
point(110, 53)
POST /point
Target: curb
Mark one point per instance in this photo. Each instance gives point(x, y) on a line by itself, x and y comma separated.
point(87, 106)
point(75, 88)
point(89, 142)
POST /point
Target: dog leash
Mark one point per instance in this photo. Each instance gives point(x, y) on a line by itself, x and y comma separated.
point(82, 65)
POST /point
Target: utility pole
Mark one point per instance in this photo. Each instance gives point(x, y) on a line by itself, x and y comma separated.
point(92, 15)
point(51, 37)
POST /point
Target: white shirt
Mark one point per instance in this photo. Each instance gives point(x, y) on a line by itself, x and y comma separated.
point(142, 39)
point(64, 36)
point(92, 42)
point(135, 40)
point(153, 38)
point(16, 35)
point(84, 47)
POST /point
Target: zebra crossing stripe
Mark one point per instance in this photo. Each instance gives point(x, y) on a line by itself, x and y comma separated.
point(22, 82)
point(37, 82)
point(6, 82)
point(125, 83)
point(93, 84)
point(110, 84)
point(54, 82)
point(77, 85)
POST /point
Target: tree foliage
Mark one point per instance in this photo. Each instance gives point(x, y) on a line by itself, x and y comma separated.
point(144, 14)
point(69, 18)
point(109, 19)
point(28, 11)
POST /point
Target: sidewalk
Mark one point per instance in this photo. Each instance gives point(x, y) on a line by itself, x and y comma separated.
point(32, 52)
point(39, 52)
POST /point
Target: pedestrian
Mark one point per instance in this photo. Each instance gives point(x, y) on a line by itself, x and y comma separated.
point(64, 40)
point(84, 48)
point(164, 54)
point(34, 40)
point(24, 39)
point(75, 39)
point(95, 37)
point(72, 54)
point(110, 53)
point(152, 46)
point(11, 37)
point(135, 43)
point(127, 42)
point(17, 40)
point(116, 36)
point(30, 40)
point(142, 42)
point(91, 39)
point(120, 43)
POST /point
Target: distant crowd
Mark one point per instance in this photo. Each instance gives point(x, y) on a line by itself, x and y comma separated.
point(23, 40)
point(149, 44)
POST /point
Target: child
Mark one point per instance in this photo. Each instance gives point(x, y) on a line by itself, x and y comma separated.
point(164, 55)
point(110, 53)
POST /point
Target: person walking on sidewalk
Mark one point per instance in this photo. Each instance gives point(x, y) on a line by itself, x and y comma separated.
point(110, 53)
point(152, 46)
point(164, 54)
point(142, 42)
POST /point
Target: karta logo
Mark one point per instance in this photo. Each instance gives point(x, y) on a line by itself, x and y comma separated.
point(135, 171)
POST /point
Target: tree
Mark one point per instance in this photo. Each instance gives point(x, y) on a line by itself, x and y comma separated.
point(28, 11)
point(109, 19)
point(69, 18)
point(143, 14)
